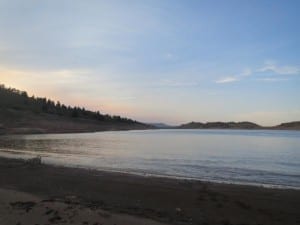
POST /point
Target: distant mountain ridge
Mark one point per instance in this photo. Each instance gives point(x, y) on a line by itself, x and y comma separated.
point(295, 125)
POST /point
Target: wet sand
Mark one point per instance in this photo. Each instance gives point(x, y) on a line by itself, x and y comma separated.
point(22, 208)
point(44, 194)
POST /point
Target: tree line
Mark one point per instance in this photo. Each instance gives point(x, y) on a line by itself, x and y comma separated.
point(19, 100)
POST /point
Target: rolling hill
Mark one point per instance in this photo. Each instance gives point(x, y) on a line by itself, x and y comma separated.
point(239, 125)
point(20, 113)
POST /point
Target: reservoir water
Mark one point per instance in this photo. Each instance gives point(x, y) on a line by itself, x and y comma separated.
point(257, 157)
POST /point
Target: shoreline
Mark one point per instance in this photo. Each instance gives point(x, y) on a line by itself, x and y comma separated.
point(148, 174)
point(165, 200)
point(29, 131)
point(33, 131)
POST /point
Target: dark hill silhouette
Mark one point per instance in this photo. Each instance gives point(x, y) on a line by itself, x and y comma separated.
point(238, 125)
point(161, 125)
point(220, 125)
point(290, 126)
point(20, 113)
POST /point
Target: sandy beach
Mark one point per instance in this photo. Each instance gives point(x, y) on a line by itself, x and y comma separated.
point(44, 194)
point(22, 208)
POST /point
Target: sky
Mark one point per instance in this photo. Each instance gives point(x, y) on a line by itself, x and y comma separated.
point(157, 60)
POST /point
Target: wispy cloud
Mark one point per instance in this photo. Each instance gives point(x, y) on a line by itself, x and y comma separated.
point(282, 70)
point(269, 66)
point(226, 80)
point(246, 72)
point(39, 74)
point(272, 79)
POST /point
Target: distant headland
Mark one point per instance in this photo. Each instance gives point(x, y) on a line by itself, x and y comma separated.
point(295, 125)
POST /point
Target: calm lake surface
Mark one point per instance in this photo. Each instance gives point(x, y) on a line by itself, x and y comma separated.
point(259, 157)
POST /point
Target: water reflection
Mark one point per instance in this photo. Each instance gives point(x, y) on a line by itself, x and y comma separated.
point(261, 157)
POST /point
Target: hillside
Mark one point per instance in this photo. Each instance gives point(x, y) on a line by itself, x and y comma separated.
point(161, 125)
point(20, 113)
point(220, 125)
point(290, 126)
point(238, 125)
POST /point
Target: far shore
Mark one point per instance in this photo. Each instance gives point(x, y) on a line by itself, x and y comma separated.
point(24, 131)
point(44, 194)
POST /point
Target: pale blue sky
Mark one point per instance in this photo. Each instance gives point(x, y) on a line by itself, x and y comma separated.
point(158, 61)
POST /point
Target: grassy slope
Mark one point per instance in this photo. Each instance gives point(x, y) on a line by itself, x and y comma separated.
point(22, 121)
point(20, 113)
point(16, 121)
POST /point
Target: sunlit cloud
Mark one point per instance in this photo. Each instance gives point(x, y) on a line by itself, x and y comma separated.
point(47, 77)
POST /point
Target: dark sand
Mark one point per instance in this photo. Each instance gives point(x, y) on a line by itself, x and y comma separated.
point(80, 196)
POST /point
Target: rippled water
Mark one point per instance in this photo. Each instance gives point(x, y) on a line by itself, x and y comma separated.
point(257, 157)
